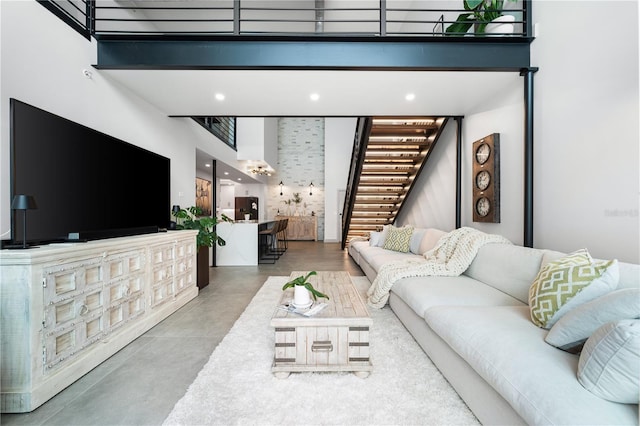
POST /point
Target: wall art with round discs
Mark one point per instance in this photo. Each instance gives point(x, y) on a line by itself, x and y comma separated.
point(486, 179)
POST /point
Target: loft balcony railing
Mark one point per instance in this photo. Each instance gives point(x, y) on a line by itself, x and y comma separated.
point(309, 18)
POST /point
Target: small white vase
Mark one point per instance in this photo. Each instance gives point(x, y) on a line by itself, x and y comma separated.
point(247, 216)
point(301, 297)
point(501, 25)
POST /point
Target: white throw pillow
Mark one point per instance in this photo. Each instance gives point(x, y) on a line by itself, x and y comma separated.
point(573, 329)
point(383, 235)
point(430, 239)
point(416, 240)
point(374, 238)
point(609, 365)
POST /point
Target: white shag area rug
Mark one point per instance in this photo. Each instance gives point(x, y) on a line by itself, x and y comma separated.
point(236, 386)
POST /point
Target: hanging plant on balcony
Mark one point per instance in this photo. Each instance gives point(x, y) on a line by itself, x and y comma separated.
point(480, 14)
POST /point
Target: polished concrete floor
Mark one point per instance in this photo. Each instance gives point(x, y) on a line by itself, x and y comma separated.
point(140, 384)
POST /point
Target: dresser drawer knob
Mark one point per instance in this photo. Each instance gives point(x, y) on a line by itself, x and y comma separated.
point(84, 310)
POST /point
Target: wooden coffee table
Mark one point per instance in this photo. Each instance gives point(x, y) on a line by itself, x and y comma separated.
point(335, 339)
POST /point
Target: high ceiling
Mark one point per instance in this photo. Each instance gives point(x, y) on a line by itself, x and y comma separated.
point(341, 93)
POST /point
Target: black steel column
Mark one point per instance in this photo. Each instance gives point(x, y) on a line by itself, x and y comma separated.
point(528, 155)
point(236, 17)
point(383, 17)
point(458, 171)
point(214, 203)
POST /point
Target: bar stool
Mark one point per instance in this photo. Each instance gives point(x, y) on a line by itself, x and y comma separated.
point(267, 243)
point(281, 242)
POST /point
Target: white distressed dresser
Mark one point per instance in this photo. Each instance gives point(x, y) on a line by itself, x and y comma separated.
point(68, 307)
point(335, 339)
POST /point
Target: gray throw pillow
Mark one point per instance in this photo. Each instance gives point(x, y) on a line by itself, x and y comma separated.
point(609, 365)
point(575, 327)
point(416, 240)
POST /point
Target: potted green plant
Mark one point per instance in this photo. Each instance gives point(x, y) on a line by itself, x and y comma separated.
point(192, 218)
point(480, 13)
point(302, 289)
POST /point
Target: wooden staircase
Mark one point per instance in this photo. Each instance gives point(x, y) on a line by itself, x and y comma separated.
point(392, 153)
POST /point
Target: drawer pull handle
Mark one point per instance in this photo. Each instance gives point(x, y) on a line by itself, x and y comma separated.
point(84, 310)
point(322, 346)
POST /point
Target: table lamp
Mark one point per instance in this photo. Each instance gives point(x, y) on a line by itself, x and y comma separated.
point(24, 203)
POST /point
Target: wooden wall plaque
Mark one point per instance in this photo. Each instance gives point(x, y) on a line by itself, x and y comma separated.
point(486, 179)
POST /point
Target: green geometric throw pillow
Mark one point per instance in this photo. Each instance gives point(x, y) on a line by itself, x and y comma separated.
point(399, 239)
point(568, 282)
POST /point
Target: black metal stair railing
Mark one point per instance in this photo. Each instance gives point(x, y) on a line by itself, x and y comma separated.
point(361, 139)
point(78, 14)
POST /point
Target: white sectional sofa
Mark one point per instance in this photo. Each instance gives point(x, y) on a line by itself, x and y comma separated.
point(478, 331)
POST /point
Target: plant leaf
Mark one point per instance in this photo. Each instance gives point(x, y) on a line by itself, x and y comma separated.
point(461, 26)
point(472, 4)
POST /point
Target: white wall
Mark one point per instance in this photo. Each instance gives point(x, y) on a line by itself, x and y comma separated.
point(42, 64)
point(338, 146)
point(226, 199)
point(257, 140)
point(432, 202)
point(271, 140)
point(586, 138)
point(586, 183)
point(508, 122)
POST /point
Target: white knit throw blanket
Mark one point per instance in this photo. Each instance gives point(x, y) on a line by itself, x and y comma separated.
point(450, 257)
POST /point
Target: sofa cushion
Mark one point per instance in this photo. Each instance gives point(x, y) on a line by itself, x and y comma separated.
point(422, 293)
point(377, 256)
point(609, 365)
point(563, 284)
point(573, 329)
point(399, 239)
point(539, 381)
point(356, 247)
point(509, 268)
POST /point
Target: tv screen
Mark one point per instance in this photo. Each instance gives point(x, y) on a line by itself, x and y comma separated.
point(86, 184)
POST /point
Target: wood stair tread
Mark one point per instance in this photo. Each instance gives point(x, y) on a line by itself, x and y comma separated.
point(396, 147)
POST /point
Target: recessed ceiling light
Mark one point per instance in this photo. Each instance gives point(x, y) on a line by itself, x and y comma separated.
point(314, 96)
point(220, 96)
point(226, 173)
point(207, 165)
point(239, 178)
point(410, 96)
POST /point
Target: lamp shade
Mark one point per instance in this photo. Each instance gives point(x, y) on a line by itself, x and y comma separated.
point(23, 202)
point(175, 208)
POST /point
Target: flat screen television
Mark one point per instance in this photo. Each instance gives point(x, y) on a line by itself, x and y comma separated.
point(86, 184)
